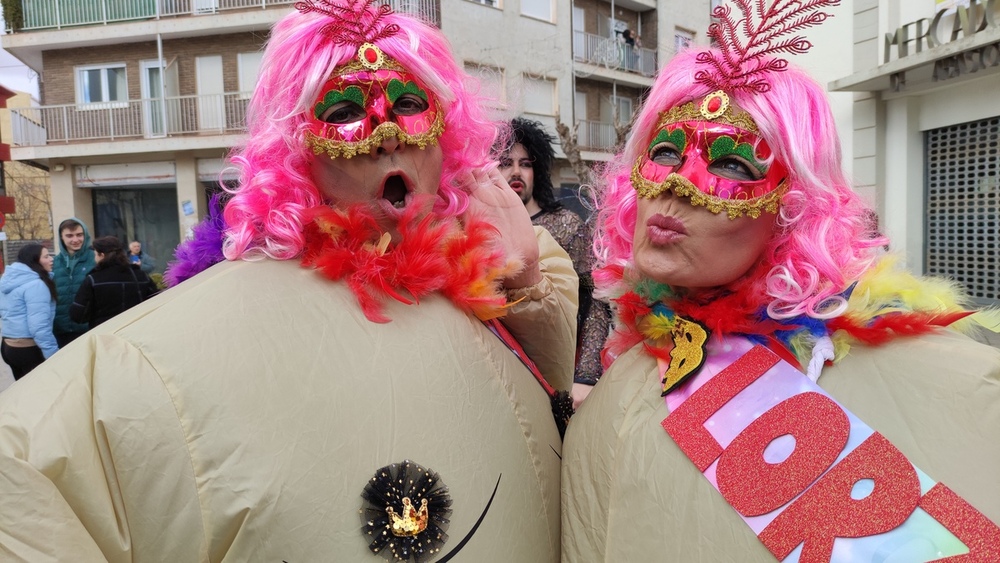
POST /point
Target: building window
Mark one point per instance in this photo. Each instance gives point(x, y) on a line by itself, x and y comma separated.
point(539, 95)
point(249, 70)
point(623, 110)
point(492, 86)
point(539, 9)
point(102, 85)
point(682, 39)
point(493, 3)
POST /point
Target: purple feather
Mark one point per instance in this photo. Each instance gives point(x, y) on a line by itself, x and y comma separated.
point(203, 250)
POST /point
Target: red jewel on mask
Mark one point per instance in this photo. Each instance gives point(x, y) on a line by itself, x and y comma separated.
point(370, 56)
point(714, 105)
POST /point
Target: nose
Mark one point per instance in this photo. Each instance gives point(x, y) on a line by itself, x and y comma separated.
point(388, 146)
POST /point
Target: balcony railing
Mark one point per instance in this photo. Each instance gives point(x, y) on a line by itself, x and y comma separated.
point(49, 14)
point(595, 135)
point(613, 53)
point(143, 119)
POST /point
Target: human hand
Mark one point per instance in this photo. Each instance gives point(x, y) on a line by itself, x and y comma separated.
point(579, 392)
point(492, 200)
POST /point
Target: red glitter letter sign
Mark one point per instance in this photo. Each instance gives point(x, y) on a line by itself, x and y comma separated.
point(803, 472)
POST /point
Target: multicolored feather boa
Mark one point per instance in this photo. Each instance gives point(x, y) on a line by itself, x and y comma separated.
point(887, 302)
point(435, 254)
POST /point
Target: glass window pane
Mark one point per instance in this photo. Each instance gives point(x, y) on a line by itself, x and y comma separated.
point(117, 91)
point(147, 214)
point(91, 88)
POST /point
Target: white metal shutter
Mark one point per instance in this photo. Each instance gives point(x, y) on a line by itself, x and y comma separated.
point(963, 211)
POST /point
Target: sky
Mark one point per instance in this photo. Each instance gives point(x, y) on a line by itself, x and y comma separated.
point(13, 74)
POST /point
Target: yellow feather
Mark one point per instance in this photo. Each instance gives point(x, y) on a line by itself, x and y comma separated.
point(987, 318)
point(888, 287)
point(656, 327)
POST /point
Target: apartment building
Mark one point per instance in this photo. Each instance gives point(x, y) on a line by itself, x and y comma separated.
point(140, 101)
point(569, 61)
point(926, 132)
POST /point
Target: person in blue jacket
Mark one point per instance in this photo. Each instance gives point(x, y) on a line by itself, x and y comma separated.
point(28, 310)
point(74, 261)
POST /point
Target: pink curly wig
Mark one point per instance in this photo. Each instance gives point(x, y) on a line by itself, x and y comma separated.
point(266, 214)
point(823, 238)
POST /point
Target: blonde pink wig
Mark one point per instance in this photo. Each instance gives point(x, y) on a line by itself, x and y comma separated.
point(823, 238)
point(266, 213)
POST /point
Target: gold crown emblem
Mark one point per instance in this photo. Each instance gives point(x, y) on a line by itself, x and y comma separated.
point(412, 522)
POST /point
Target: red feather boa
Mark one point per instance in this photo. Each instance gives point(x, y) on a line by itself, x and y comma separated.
point(435, 254)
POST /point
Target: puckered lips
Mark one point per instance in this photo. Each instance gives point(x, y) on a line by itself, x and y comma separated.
point(663, 229)
point(517, 185)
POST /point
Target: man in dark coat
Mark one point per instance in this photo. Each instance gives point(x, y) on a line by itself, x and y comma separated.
point(74, 261)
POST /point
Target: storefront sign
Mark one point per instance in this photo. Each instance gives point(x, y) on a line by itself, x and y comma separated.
point(967, 62)
point(926, 34)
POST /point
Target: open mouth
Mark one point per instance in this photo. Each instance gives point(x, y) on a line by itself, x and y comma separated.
point(394, 191)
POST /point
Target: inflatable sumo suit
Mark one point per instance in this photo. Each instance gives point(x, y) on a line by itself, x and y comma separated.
point(156, 438)
point(322, 395)
point(670, 458)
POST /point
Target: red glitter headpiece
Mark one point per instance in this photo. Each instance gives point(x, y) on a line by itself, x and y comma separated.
point(354, 21)
point(744, 65)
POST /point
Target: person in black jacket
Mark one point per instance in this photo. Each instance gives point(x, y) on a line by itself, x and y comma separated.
point(111, 287)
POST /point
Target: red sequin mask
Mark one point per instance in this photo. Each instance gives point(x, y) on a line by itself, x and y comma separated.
point(713, 157)
point(369, 100)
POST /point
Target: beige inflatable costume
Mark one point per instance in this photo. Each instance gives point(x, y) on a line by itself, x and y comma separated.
point(353, 409)
point(741, 264)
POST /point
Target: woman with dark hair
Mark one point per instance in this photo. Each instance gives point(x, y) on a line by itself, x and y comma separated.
point(111, 287)
point(28, 309)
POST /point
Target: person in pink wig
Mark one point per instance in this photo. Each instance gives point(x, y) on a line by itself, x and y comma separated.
point(345, 382)
point(742, 268)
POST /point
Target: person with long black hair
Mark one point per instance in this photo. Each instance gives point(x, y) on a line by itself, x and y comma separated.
point(113, 286)
point(28, 309)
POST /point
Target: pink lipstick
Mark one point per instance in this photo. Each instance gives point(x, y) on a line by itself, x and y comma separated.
point(662, 229)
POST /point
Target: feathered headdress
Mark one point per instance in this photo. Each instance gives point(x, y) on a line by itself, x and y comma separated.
point(355, 22)
point(743, 64)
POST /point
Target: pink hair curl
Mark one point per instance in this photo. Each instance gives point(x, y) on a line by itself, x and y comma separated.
point(266, 213)
point(823, 238)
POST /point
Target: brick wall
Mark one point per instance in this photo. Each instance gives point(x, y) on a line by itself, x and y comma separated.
point(650, 29)
point(58, 84)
